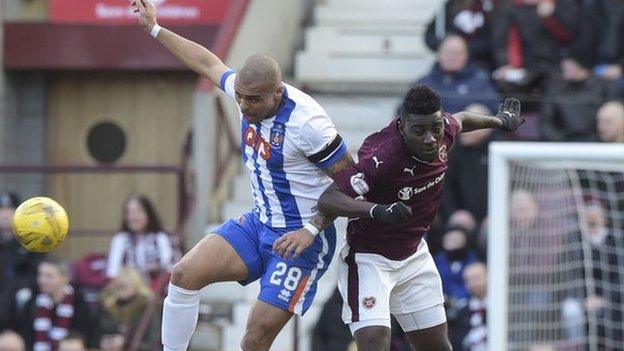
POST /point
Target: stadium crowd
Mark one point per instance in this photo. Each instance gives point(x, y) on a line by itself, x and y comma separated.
point(100, 302)
point(564, 59)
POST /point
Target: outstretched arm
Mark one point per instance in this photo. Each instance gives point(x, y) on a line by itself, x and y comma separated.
point(508, 118)
point(337, 203)
point(193, 55)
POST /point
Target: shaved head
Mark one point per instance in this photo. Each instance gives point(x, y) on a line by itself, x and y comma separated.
point(261, 69)
point(259, 88)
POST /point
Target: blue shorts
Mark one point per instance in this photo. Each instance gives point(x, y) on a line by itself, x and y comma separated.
point(289, 284)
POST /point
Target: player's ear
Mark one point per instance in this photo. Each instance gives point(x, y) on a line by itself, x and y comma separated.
point(280, 90)
point(400, 125)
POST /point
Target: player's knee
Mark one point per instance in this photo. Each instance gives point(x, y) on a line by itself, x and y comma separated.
point(258, 337)
point(444, 344)
point(373, 339)
point(182, 276)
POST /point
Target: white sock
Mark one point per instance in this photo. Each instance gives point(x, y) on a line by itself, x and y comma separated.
point(180, 314)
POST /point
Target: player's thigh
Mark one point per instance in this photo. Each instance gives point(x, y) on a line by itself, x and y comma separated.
point(365, 282)
point(264, 322)
point(419, 286)
point(373, 338)
point(290, 284)
point(430, 339)
point(213, 259)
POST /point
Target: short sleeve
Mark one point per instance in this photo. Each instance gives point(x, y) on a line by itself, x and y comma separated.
point(359, 179)
point(451, 125)
point(227, 83)
point(320, 142)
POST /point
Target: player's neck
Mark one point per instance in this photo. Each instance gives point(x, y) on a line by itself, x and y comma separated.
point(276, 108)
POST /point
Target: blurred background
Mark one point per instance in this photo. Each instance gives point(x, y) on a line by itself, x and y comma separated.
point(143, 154)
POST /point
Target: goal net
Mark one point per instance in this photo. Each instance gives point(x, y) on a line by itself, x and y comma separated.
point(556, 247)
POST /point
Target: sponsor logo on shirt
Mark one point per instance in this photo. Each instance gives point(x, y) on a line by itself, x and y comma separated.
point(408, 192)
point(257, 142)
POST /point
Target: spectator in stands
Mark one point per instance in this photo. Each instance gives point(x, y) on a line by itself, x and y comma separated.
point(602, 34)
point(528, 37)
point(455, 256)
point(465, 187)
point(72, 342)
point(601, 303)
point(470, 19)
point(470, 327)
point(11, 341)
point(569, 105)
point(141, 243)
point(44, 315)
point(130, 303)
point(330, 333)
point(610, 122)
point(18, 266)
point(459, 82)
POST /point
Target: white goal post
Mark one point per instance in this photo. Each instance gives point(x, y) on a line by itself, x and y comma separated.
point(503, 156)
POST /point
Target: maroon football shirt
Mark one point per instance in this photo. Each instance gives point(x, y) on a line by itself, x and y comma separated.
point(386, 173)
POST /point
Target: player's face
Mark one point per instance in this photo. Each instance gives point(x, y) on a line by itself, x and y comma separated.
point(258, 101)
point(423, 134)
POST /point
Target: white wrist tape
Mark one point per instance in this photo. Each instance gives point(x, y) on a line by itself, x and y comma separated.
point(311, 228)
point(155, 30)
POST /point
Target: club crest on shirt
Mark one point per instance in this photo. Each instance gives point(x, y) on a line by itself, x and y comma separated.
point(369, 302)
point(443, 153)
point(277, 135)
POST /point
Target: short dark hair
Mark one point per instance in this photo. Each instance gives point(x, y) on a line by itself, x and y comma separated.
point(153, 220)
point(421, 100)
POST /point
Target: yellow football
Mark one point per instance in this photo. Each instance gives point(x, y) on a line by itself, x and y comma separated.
point(40, 224)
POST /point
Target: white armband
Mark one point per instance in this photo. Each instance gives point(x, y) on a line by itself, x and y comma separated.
point(155, 30)
point(311, 228)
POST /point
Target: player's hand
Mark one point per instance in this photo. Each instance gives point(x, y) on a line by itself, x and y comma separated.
point(147, 13)
point(395, 213)
point(509, 114)
point(291, 244)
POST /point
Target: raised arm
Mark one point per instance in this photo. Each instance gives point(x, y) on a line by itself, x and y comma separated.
point(508, 118)
point(193, 55)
